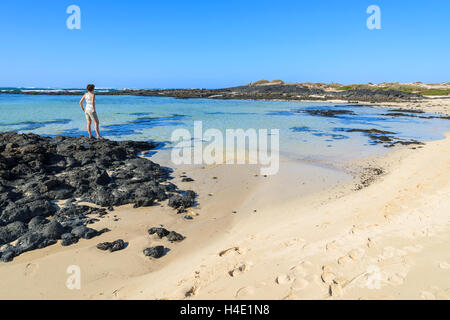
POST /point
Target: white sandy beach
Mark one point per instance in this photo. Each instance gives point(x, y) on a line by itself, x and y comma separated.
point(305, 233)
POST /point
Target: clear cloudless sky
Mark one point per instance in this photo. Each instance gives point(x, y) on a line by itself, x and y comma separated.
point(211, 43)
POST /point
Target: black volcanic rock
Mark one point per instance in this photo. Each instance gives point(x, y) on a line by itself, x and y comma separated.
point(32, 241)
point(53, 230)
point(161, 232)
point(35, 171)
point(37, 222)
point(172, 236)
point(12, 232)
point(7, 255)
point(84, 232)
point(175, 237)
point(155, 252)
point(68, 239)
point(181, 202)
point(112, 246)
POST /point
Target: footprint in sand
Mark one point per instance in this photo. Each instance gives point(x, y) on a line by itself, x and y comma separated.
point(292, 242)
point(331, 246)
point(444, 265)
point(341, 282)
point(299, 284)
point(239, 270)
point(371, 243)
point(31, 269)
point(291, 297)
point(306, 264)
point(396, 279)
point(357, 229)
point(245, 292)
point(356, 254)
point(344, 260)
point(328, 277)
point(390, 252)
point(327, 268)
point(192, 292)
point(298, 271)
point(284, 279)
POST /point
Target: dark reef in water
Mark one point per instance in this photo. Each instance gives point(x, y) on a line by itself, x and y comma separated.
point(385, 138)
point(36, 171)
point(319, 133)
point(142, 122)
point(406, 111)
point(33, 125)
point(330, 113)
point(368, 131)
point(412, 113)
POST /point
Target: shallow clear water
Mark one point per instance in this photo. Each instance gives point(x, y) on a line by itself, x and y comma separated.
point(302, 135)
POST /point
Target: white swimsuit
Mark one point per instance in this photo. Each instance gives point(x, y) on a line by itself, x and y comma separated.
point(89, 103)
point(89, 111)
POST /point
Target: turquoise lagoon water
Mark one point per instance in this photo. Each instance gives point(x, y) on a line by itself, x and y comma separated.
point(302, 136)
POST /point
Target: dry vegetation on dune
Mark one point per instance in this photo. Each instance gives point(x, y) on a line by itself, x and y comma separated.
point(419, 88)
point(265, 82)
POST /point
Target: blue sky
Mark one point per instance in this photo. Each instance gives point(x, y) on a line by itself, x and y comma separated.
point(174, 44)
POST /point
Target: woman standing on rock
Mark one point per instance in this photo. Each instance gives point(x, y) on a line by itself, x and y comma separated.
point(90, 112)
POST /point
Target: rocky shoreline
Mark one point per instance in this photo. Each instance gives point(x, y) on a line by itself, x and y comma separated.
point(259, 92)
point(43, 181)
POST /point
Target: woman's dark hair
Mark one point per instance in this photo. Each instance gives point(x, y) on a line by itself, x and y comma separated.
point(90, 87)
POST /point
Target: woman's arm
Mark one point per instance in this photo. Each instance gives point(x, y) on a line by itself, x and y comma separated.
point(93, 102)
point(81, 102)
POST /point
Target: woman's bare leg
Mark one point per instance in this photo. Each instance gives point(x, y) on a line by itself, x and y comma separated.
point(89, 121)
point(97, 128)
